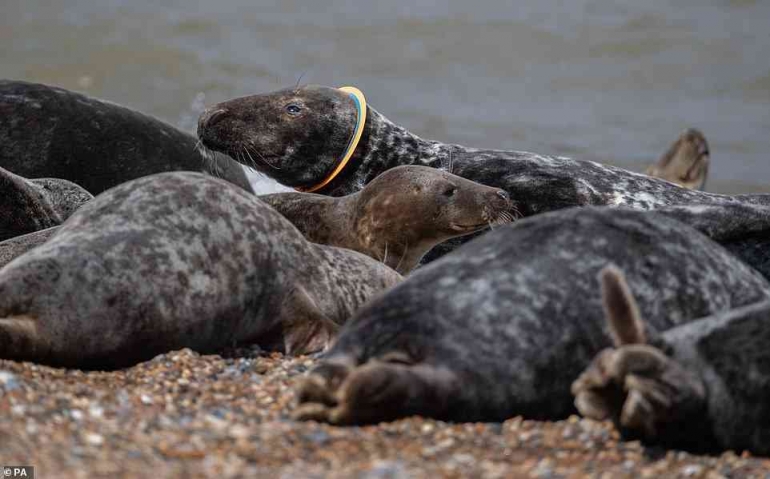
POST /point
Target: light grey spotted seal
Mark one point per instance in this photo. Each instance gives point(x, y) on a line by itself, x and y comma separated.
point(686, 162)
point(503, 326)
point(177, 260)
point(31, 205)
point(704, 387)
point(298, 136)
point(47, 131)
point(399, 216)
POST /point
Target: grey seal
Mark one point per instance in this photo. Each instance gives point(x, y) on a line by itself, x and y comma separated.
point(47, 131)
point(399, 216)
point(177, 260)
point(503, 325)
point(686, 162)
point(704, 387)
point(31, 205)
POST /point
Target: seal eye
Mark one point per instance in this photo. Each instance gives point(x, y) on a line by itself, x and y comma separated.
point(293, 109)
point(450, 191)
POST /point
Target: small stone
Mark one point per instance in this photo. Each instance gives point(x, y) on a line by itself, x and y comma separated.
point(8, 380)
point(692, 470)
point(95, 411)
point(94, 439)
point(76, 414)
point(145, 399)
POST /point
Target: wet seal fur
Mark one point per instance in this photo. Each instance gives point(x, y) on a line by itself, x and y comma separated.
point(686, 162)
point(31, 205)
point(52, 132)
point(399, 216)
point(704, 387)
point(297, 135)
point(177, 260)
point(502, 326)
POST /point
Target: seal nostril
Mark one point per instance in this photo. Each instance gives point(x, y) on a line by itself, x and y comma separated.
point(504, 195)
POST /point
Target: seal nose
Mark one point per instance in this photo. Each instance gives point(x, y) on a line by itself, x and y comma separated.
point(504, 195)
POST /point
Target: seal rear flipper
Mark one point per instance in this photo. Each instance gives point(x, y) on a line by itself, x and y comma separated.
point(374, 392)
point(648, 395)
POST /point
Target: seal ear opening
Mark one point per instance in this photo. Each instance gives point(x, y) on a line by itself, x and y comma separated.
point(620, 308)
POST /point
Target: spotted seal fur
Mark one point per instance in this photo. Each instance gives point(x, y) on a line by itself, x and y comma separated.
point(31, 205)
point(399, 216)
point(18, 245)
point(686, 162)
point(502, 326)
point(177, 260)
point(47, 131)
point(704, 387)
point(297, 135)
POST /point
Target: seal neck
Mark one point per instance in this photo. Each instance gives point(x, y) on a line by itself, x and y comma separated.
point(385, 145)
point(359, 100)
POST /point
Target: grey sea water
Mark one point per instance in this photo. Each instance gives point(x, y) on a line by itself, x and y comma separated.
point(612, 81)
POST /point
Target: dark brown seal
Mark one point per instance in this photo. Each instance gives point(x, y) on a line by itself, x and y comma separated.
point(177, 260)
point(399, 216)
point(52, 132)
point(703, 387)
point(686, 162)
point(31, 205)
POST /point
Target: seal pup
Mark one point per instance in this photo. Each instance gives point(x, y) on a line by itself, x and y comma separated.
point(399, 216)
point(177, 260)
point(703, 387)
point(300, 136)
point(52, 132)
point(503, 326)
point(18, 245)
point(31, 205)
point(686, 162)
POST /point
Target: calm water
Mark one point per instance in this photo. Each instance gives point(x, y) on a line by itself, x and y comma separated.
point(613, 81)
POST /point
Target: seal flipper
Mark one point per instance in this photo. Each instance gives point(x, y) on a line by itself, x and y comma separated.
point(379, 390)
point(20, 338)
point(306, 329)
point(646, 394)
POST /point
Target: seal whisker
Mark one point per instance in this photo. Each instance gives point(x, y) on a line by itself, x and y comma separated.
point(256, 152)
point(253, 164)
point(296, 87)
point(398, 266)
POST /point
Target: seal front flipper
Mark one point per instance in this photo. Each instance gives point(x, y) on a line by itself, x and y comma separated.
point(306, 329)
point(646, 394)
point(379, 390)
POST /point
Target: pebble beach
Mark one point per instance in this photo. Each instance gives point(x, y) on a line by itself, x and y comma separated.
point(188, 415)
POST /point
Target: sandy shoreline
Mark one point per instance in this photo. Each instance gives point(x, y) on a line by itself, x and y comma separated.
point(187, 415)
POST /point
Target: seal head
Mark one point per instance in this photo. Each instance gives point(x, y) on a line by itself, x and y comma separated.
point(276, 132)
point(417, 207)
point(399, 216)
